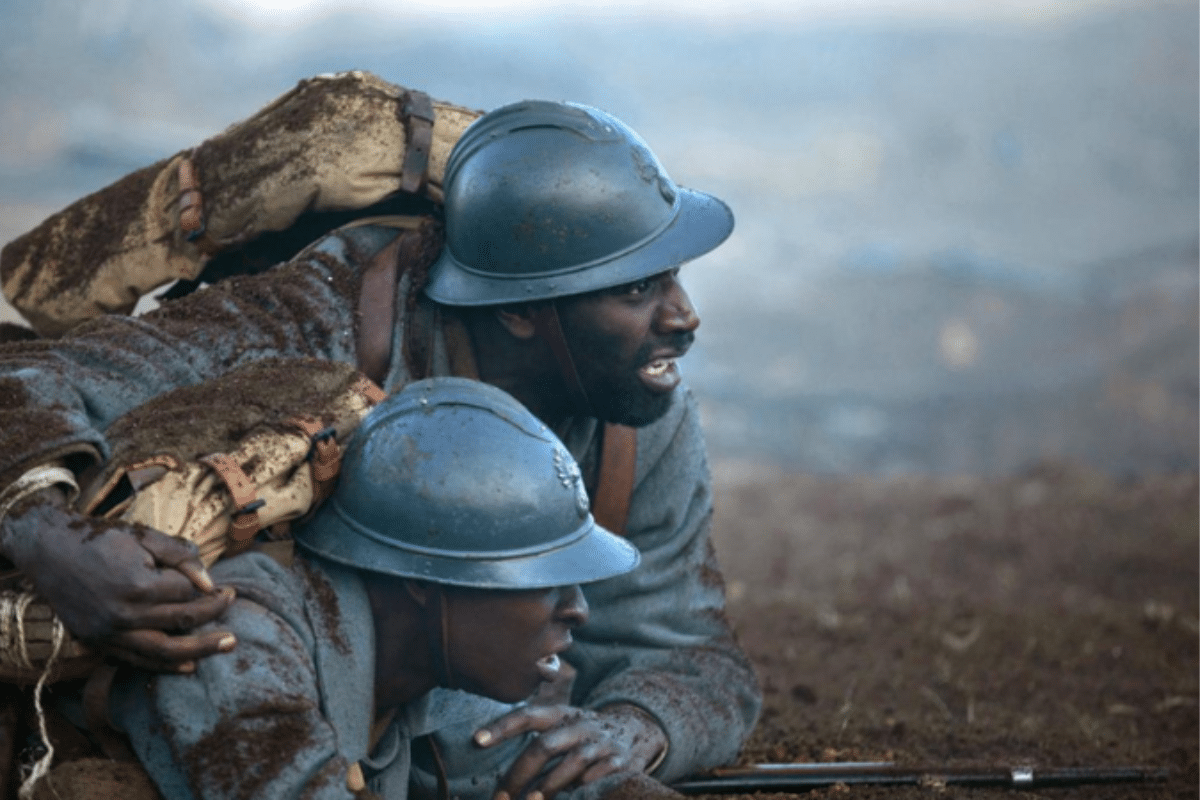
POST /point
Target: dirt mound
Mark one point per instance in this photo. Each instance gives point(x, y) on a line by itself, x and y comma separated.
point(1045, 619)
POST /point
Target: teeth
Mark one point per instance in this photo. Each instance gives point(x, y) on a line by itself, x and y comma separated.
point(658, 367)
point(549, 667)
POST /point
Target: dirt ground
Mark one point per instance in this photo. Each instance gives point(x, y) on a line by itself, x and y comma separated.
point(1047, 619)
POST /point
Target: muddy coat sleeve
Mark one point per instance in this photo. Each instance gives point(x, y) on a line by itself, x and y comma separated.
point(57, 397)
point(658, 637)
point(282, 716)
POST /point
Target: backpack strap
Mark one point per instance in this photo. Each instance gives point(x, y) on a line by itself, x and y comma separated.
point(244, 522)
point(614, 484)
point(377, 310)
point(417, 114)
point(377, 292)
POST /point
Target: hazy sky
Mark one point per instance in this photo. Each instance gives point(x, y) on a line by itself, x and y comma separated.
point(287, 13)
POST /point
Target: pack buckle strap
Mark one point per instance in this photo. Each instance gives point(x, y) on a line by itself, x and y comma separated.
point(191, 201)
point(418, 118)
point(324, 456)
point(244, 521)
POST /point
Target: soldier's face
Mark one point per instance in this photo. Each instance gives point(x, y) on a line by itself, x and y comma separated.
point(504, 644)
point(625, 342)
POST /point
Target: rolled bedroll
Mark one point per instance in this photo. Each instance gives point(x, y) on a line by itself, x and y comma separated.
point(333, 145)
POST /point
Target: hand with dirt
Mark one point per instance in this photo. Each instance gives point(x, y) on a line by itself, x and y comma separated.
point(590, 744)
point(129, 590)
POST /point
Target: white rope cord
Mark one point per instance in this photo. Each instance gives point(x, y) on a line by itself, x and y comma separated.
point(13, 645)
point(35, 480)
point(13, 649)
point(43, 765)
point(12, 614)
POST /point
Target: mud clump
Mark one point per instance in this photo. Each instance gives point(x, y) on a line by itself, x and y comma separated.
point(244, 753)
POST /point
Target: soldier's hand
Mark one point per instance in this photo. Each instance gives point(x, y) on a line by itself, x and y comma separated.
point(590, 744)
point(129, 590)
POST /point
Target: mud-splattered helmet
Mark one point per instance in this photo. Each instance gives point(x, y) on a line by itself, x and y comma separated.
point(455, 482)
point(546, 199)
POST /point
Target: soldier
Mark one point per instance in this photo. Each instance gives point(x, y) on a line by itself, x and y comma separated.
point(559, 283)
point(449, 555)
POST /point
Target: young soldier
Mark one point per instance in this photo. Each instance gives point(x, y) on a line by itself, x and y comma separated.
point(450, 555)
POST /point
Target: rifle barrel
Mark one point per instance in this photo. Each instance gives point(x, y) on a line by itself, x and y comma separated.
point(805, 776)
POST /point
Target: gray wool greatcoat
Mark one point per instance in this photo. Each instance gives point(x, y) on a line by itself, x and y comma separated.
point(657, 638)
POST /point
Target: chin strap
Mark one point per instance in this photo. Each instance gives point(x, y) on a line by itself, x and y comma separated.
point(438, 635)
point(547, 325)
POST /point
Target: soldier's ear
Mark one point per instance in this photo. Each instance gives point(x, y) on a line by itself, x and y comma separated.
point(517, 320)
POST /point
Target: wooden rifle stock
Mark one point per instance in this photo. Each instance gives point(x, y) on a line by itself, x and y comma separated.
point(805, 776)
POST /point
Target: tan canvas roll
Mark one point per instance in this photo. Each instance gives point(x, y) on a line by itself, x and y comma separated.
point(213, 464)
point(333, 143)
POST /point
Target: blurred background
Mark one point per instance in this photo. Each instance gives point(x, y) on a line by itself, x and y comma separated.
point(968, 232)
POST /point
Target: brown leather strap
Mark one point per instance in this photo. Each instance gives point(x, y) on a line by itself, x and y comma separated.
point(614, 488)
point(369, 389)
point(191, 201)
point(377, 311)
point(244, 492)
point(417, 115)
point(437, 634)
point(459, 351)
point(325, 456)
point(548, 326)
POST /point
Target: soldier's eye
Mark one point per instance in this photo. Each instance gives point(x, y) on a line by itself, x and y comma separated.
point(637, 287)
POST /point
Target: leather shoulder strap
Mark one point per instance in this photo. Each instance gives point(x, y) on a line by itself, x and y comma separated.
point(411, 251)
point(614, 487)
point(377, 311)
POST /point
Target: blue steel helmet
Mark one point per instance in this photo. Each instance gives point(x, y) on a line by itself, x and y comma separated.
point(547, 199)
point(455, 482)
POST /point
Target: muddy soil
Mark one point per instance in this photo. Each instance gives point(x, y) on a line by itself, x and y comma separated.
point(1045, 619)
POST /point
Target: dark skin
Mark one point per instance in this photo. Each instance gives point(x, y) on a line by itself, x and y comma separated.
point(611, 334)
point(136, 592)
point(131, 591)
point(493, 638)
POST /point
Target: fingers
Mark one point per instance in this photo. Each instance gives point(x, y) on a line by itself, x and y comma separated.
point(178, 554)
point(180, 616)
point(137, 660)
point(588, 745)
point(148, 585)
point(582, 762)
point(564, 732)
point(522, 721)
point(161, 652)
point(193, 570)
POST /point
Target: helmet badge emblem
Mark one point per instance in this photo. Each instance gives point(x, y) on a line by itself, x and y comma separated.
point(571, 478)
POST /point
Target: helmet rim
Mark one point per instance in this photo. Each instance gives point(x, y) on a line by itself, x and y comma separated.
point(592, 554)
point(453, 481)
point(701, 224)
point(546, 199)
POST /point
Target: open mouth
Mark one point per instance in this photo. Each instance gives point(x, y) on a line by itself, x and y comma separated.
point(549, 667)
point(660, 374)
point(659, 366)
